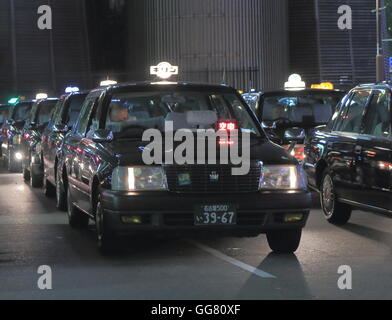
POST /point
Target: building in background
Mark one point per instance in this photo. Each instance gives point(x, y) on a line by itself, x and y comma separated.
point(326, 53)
point(34, 60)
point(244, 43)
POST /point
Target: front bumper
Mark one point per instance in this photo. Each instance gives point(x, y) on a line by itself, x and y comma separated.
point(165, 211)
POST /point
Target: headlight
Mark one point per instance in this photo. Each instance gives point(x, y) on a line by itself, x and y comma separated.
point(287, 177)
point(141, 178)
point(17, 139)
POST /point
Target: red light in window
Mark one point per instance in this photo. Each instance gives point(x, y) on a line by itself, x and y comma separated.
point(227, 125)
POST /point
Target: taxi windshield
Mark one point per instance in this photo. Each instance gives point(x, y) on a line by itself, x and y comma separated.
point(130, 113)
point(4, 113)
point(22, 111)
point(312, 108)
point(45, 111)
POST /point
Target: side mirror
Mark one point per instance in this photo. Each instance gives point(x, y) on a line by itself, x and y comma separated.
point(60, 128)
point(101, 135)
point(295, 134)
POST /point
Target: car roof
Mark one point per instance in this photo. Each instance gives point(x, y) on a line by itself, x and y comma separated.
point(73, 94)
point(381, 85)
point(283, 91)
point(150, 85)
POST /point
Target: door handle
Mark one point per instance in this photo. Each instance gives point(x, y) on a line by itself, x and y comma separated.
point(358, 150)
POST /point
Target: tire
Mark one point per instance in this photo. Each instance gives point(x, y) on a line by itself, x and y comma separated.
point(76, 218)
point(26, 175)
point(106, 239)
point(49, 189)
point(284, 241)
point(61, 194)
point(36, 180)
point(334, 211)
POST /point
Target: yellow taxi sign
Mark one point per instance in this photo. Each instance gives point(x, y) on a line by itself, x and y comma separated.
point(323, 86)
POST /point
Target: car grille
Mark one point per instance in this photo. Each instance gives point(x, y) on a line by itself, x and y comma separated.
point(211, 179)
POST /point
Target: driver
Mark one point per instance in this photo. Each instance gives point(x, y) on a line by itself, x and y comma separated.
point(118, 113)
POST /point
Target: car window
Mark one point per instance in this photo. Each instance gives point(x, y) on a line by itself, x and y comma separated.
point(314, 108)
point(85, 116)
point(252, 100)
point(45, 110)
point(378, 116)
point(56, 119)
point(351, 115)
point(335, 118)
point(4, 113)
point(131, 113)
point(75, 105)
point(21, 111)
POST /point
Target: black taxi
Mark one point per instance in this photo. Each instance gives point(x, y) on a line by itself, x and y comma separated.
point(289, 116)
point(12, 135)
point(106, 178)
point(64, 117)
point(350, 159)
point(40, 115)
point(4, 116)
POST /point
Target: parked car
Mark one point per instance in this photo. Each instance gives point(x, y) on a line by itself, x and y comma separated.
point(4, 116)
point(40, 115)
point(64, 118)
point(289, 116)
point(349, 161)
point(105, 178)
point(12, 135)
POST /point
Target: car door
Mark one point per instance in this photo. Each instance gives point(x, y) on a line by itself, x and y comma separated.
point(80, 161)
point(49, 142)
point(374, 154)
point(342, 143)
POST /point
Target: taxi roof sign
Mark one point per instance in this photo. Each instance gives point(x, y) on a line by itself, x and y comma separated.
point(13, 100)
point(107, 83)
point(295, 83)
point(41, 96)
point(71, 89)
point(164, 70)
point(323, 86)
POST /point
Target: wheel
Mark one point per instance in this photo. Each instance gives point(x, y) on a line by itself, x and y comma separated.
point(61, 194)
point(49, 189)
point(284, 241)
point(335, 212)
point(76, 218)
point(26, 175)
point(106, 238)
point(36, 180)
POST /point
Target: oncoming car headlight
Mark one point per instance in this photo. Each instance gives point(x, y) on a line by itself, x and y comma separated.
point(142, 178)
point(282, 177)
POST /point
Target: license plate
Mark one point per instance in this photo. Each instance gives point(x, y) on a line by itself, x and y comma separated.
point(216, 214)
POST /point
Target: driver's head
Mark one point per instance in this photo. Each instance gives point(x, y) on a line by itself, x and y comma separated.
point(118, 113)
